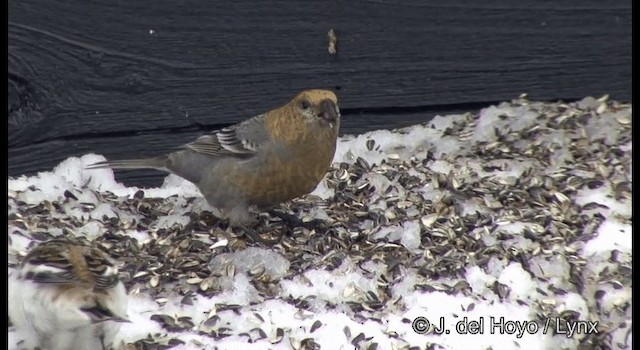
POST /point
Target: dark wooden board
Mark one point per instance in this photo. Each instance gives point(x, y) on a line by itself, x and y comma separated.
point(121, 77)
point(153, 143)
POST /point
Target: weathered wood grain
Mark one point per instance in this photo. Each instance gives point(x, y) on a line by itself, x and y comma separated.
point(92, 75)
point(153, 143)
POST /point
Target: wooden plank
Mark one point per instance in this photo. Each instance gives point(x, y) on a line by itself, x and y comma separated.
point(80, 70)
point(43, 156)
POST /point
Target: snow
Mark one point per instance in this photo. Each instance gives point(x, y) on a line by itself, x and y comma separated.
point(330, 291)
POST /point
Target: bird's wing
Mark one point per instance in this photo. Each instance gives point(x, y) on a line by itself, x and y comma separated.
point(51, 263)
point(48, 264)
point(239, 140)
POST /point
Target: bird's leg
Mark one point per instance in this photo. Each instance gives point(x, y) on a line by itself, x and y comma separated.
point(294, 221)
point(254, 234)
point(104, 347)
point(241, 218)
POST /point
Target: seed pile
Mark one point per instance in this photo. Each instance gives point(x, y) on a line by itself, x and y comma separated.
point(526, 186)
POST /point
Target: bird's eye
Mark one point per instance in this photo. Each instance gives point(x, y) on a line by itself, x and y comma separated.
point(304, 104)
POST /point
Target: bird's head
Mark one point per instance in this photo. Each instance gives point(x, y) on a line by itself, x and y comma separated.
point(318, 107)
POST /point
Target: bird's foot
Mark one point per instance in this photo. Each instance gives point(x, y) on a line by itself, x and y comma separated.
point(255, 234)
point(294, 221)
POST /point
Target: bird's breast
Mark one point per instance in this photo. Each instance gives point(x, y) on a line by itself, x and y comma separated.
point(281, 176)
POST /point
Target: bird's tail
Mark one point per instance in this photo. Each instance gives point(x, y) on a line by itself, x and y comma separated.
point(143, 163)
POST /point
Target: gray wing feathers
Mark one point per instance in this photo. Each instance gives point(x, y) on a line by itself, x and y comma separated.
point(234, 143)
point(241, 140)
point(253, 133)
point(238, 140)
point(207, 144)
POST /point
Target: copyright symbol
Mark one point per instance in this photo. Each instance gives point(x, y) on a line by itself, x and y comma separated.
point(420, 325)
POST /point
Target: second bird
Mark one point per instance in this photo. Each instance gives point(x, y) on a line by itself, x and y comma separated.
point(263, 161)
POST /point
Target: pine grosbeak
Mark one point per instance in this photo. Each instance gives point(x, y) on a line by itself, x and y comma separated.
point(263, 161)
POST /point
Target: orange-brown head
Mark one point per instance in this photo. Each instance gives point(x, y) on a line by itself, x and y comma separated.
point(312, 115)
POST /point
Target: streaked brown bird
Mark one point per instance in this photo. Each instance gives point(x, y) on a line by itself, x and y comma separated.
point(66, 295)
point(262, 162)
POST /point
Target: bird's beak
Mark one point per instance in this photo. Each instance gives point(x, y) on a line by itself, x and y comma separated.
point(329, 111)
point(120, 319)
